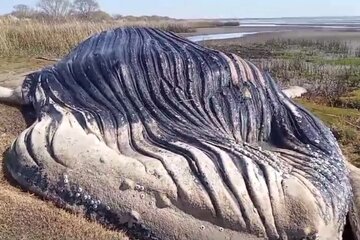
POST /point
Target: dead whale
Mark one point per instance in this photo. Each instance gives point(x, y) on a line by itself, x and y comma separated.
point(142, 129)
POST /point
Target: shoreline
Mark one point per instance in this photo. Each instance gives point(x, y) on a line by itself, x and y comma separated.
point(267, 33)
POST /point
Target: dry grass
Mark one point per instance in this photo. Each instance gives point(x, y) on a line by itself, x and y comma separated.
point(57, 38)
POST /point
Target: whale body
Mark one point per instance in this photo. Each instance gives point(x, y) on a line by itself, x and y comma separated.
point(144, 130)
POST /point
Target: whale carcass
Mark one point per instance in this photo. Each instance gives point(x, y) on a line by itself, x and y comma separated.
point(142, 129)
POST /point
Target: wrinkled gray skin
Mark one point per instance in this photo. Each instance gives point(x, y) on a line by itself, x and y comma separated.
point(147, 131)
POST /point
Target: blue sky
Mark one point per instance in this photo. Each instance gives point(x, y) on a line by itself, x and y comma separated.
point(220, 8)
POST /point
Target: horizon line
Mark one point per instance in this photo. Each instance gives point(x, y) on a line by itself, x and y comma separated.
point(223, 18)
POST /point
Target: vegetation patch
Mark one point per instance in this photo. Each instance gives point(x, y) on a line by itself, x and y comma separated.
point(56, 38)
point(351, 100)
point(56, 26)
point(347, 61)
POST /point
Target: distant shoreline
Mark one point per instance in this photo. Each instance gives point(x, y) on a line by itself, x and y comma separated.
point(209, 34)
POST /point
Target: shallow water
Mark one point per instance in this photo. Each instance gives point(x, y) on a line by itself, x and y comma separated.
point(352, 23)
point(337, 26)
point(314, 22)
point(329, 21)
point(219, 36)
